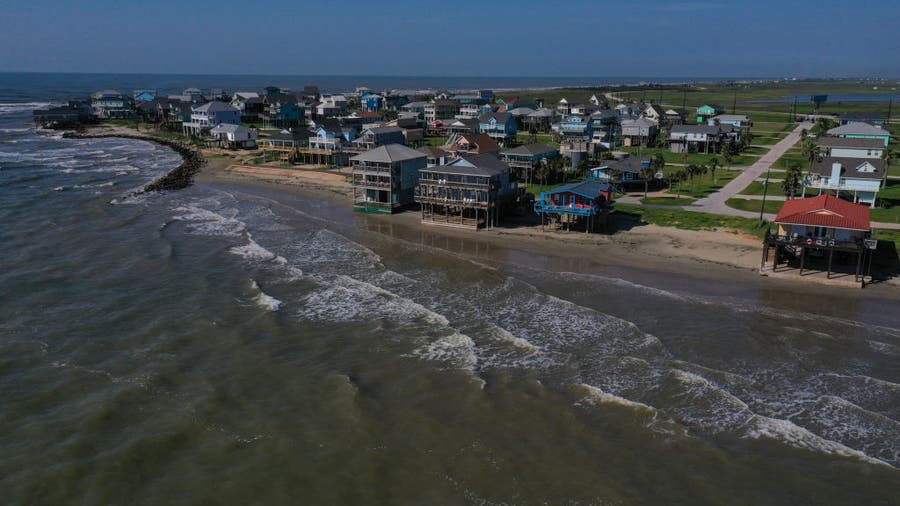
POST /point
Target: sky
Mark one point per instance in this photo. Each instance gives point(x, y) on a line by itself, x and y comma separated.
point(626, 38)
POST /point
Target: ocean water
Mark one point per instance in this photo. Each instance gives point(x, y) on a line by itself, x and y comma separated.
point(22, 87)
point(239, 345)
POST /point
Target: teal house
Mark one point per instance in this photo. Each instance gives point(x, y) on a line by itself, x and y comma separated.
point(704, 112)
point(861, 131)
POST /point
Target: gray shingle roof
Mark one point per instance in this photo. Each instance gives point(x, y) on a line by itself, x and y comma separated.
point(481, 165)
point(844, 142)
point(858, 129)
point(848, 167)
point(531, 149)
point(388, 154)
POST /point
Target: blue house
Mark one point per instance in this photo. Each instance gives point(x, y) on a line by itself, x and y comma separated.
point(575, 126)
point(573, 203)
point(288, 114)
point(627, 170)
point(500, 126)
point(371, 102)
point(144, 95)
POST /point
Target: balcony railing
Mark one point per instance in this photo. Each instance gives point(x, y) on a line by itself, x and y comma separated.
point(454, 184)
point(813, 242)
point(447, 201)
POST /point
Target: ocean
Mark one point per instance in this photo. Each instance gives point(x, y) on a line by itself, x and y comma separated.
point(233, 344)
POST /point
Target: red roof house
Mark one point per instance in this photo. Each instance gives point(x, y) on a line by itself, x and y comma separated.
point(825, 211)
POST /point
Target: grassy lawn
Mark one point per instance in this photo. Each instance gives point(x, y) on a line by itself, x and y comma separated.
point(690, 220)
point(767, 140)
point(894, 170)
point(755, 151)
point(752, 205)
point(756, 188)
point(667, 201)
point(703, 185)
point(889, 236)
point(545, 139)
point(689, 158)
point(435, 141)
point(789, 159)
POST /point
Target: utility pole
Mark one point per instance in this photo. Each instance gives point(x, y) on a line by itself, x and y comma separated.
point(765, 191)
point(890, 108)
point(734, 103)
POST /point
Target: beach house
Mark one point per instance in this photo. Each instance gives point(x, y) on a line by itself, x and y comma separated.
point(468, 192)
point(378, 136)
point(695, 138)
point(858, 179)
point(232, 137)
point(586, 203)
point(384, 179)
point(858, 130)
point(639, 132)
point(704, 112)
point(500, 126)
point(472, 144)
point(814, 233)
point(209, 115)
point(522, 160)
point(622, 171)
point(843, 147)
point(109, 104)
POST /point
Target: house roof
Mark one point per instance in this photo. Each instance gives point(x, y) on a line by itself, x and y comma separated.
point(640, 122)
point(521, 111)
point(215, 107)
point(389, 153)
point(385, 130)
point(588, 189)
point(531, 149)
point(731, 117)
point(432, 151)
point(633, 165)
point(484, 142)
point(483, 164)
point(543, 112)
point(857, 128)
point(845, 142)
point(697, 129)
point(825, 211)
point(501, 117)
point(228, 128)
point(849, 167)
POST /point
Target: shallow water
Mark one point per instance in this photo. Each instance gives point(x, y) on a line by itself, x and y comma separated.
point(240, 345)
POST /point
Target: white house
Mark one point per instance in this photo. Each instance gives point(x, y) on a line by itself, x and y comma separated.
point(735, 120)
point(210, 115)
point(841, 147)
point(860, 177)
point(234, 136)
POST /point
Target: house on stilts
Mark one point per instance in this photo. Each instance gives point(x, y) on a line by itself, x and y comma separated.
point(816, 235)
point(587, 204)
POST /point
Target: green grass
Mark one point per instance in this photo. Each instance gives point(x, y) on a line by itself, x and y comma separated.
point(667, 201)
point(689, 158)
point(766, 140)
point(690, 220)
point(888, 236)
point(752, 205)
point(756, 188)
point(703, 185)
point(894, 170)
point(755, 151)
point(545, 139)
point(435, 141)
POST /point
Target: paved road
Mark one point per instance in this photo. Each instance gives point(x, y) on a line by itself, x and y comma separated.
point(715, 202)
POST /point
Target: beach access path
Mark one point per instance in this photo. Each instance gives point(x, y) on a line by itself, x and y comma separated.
point(715, 202)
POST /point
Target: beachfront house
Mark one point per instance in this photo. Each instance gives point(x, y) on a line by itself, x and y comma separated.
point(704, 112)
point(73, 113)
point(858, 130)
point(209, 115)
point(468, 192)
point(522, 160)
point(842, 147)
point(858, 179)
point(639, 132)
point(109, 104)
point(695, 138)
point(500, 126)
point(814, 232)
point(232, 137)
point(586, 203)
point(384, 179)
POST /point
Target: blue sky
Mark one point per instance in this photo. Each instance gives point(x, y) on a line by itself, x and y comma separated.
point(650, 38)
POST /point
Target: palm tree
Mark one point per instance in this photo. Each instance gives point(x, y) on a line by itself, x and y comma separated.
point(810, 151)
point(693, 170)
point(713, 165)
point(792, 181)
